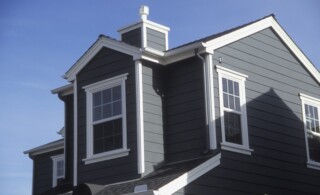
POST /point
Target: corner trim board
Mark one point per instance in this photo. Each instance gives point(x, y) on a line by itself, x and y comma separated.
point(190, 176)
point(140, 120)
point(75, 134)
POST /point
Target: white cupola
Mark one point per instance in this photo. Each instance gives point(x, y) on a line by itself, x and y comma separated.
point(145, 33)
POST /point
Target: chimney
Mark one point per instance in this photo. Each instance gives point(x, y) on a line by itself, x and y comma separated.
point(146, 34)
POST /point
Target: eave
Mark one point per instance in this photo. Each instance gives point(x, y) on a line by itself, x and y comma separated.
point(103, 41)
point(52, 146)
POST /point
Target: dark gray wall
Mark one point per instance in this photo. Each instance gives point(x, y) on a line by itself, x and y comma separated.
point(156, 40)
point(42, 171)
point(185, 112)
point(69, 138)
point(153, 97)
point(107, 64)
point(133, 37)
point(276, 129)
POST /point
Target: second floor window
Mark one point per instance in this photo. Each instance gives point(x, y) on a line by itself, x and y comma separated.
point(106, 119)
point(310, 109)
point(233, 112)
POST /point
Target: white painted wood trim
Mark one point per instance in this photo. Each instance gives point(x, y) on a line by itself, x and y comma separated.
point(210, 101)
point(240, 78)
point(306, 99)
point(95, 48)
point(75, 133)
point(54, 168)
point(99, 86)
point(190, 176)
point(140, 120)
point(258, 26)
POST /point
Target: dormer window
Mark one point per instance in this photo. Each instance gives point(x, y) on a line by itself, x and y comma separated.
point(106, 120)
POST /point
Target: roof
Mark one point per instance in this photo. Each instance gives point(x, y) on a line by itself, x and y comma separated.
point(52, 146)
point(207, 44)
point(213, 36)
point(165, 180)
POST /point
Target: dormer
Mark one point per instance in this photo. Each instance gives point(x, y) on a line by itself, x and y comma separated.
point(146, 34)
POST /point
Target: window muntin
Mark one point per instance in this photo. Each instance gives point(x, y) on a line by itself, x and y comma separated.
point(58, 168)
point(310, 108)
point(106, 120)
point(233, 110)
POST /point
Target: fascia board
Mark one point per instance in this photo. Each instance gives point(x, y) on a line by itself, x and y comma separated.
point(63, 90)
point(46, 148)
point(258, 26)
point(100, 43)
point(190, 176)
point(183, 52)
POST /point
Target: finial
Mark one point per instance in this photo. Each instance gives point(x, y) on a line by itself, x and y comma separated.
point(144, 12)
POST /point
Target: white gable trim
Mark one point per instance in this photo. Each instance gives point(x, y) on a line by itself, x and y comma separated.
point(190, 176)
point(95, 48)
point(256, 27)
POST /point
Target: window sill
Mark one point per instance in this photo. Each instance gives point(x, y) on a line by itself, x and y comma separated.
point(236, 148)
point(313, 165)
point(106, 156)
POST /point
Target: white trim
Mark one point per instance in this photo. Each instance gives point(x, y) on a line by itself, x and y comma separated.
point(57, 145)
point(210, 101)
point(64, 90)
point(258, 26)
point(95, 48)
point(240, 78)
point(190, 176)
point(55, 160)
point(140, 120)
point(306, 99)
point(99, 86)
point(75, 133)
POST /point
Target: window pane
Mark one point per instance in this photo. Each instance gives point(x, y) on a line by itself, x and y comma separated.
point(314, 147)
point(225, 101)
point(106, 94)
point(107, 111)
point(232, 123)
point(116, 93)
point(230, 86)
point(116, 108)
point(224, 85)
point(316, 113)
point(97, 113)
point(110, 138)
point(236, 88)
point(97, 99)
point(237, 101)
point(231, 102)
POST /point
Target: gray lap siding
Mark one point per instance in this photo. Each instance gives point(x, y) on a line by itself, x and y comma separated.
point(107, 64)
point(185, 112)
point(275, 124)
point(43, 171)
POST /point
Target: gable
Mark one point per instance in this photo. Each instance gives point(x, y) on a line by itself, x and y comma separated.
point(258, 26)
point(102, 42)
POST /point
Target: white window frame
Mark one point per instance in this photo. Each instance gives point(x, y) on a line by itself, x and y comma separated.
point(240, 78)
point(306, 99)
point(90, 90)
point(55, 160)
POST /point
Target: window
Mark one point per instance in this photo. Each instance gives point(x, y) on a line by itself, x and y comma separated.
point(233, 111)
point(310, 110)
point(58, 169)
point(106, 120)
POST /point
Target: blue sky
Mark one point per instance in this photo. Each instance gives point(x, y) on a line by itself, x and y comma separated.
point(41, 39)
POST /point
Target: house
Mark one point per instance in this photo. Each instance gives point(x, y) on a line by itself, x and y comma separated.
point(233, 113)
